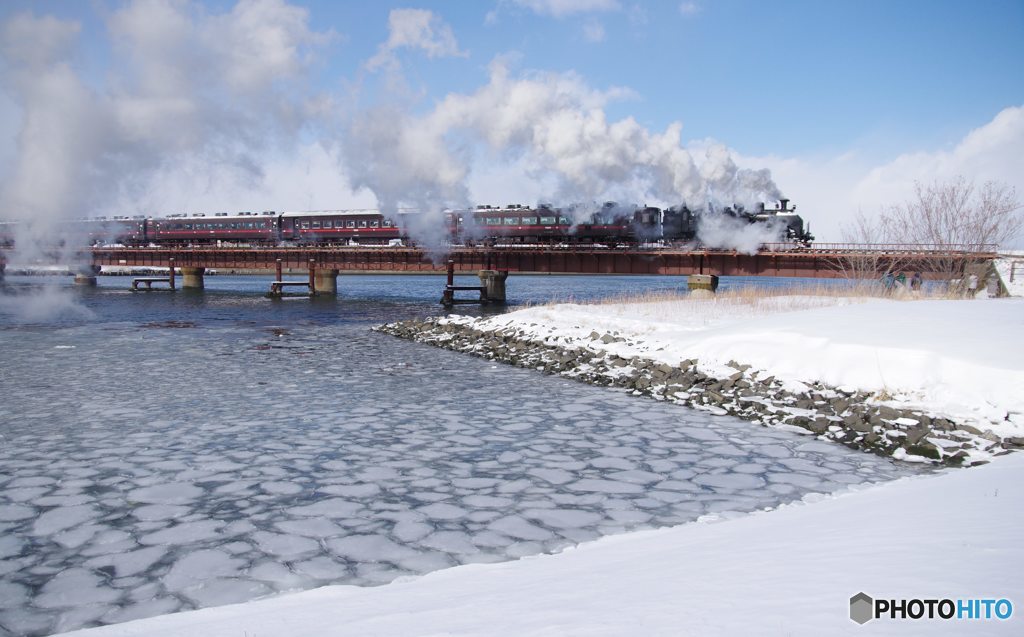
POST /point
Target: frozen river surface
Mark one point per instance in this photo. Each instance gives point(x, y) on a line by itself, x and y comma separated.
point(241, 448)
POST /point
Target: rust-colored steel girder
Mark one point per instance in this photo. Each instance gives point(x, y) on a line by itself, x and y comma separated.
point(823, 263)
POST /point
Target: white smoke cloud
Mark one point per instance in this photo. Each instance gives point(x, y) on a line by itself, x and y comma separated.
point(415, 29)
point(189, 86)
point(558, 124)
point(721, 231)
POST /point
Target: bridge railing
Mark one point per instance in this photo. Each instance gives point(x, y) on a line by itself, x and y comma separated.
point(887, 248)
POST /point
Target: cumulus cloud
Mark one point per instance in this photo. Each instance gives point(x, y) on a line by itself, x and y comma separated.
point(593, 31)
point(831, 190)
point(689, 8)
point(415, 29)
point(562, 8)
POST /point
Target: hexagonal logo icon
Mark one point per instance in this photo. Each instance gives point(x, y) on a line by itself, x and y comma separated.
point(861, 608)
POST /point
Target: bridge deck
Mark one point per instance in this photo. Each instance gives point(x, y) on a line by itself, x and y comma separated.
point(826, 262)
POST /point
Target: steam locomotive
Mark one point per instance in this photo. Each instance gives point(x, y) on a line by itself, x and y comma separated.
point(609, 225)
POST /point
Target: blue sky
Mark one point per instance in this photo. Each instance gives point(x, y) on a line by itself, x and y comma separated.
point(842, 101)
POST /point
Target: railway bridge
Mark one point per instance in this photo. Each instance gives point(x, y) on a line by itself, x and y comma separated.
point(822, 260)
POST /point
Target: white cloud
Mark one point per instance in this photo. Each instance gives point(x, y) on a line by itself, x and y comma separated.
point(593, 31)
point(562, 8)
point(689, 8)
point(415, 29)
point(831, 190)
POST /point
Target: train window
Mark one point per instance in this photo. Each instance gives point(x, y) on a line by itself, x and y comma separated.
point(316, 225)
point(564, 221)
point(305, 225)
point(248, 225)
point(362, 224)
point(374, 224)
point(188, 226)
point(547, 221)
point(328, 224)
point(350, 224)
point(494, 221)
point(529, 221)
point(511, 221)
point(388, 223)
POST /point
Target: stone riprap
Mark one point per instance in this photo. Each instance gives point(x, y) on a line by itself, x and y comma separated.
point(857, 419)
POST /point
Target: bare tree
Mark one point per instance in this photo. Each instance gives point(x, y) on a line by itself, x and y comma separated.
point(869, 258)
point(945, 219)
point(958, 215)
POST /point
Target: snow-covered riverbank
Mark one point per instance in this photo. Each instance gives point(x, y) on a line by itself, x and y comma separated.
point(924, 380)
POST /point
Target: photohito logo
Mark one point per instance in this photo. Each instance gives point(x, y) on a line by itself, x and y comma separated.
point(863, 608)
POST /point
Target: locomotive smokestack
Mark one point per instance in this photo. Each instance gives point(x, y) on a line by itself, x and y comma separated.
point(785, 204)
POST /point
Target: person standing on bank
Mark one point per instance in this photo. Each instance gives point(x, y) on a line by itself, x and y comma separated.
point(972, 286)
point(916, 281)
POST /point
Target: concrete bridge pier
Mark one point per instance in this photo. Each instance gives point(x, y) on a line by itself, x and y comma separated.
point(702, 285)
point(86, 276)
point(325, 281)
point(192, 278)
point(494, 282)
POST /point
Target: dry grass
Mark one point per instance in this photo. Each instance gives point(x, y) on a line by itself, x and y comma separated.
point(760, 294)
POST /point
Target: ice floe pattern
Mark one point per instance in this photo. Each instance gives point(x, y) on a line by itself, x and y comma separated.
point(147, 471)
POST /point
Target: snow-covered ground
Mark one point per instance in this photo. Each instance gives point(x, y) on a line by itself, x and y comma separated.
point(952, 358)
point(791, 571)
point(1011, 270)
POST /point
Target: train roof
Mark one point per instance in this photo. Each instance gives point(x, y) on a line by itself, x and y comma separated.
point(352, 212)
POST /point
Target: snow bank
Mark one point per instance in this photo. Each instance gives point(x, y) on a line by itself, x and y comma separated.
point(1012, 267)
point(963, 360)
point(788, 572)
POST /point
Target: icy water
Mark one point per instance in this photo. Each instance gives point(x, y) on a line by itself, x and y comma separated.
point(162, 452)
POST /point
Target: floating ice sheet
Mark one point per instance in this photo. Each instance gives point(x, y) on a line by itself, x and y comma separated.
point(128, 490)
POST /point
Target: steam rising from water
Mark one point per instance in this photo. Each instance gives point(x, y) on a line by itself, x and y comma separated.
point(49, 301)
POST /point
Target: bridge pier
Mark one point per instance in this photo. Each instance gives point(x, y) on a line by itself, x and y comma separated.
point(86, 276)
point(702, 285)
point(494, 282)
point(326, 281)
point(192, 278)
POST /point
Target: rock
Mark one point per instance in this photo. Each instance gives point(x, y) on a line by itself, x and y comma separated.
point(916, 433)
point(839, 405)
point(888, 413)
point(857, 423)
point(714, 396)
point(819, 425)
point(1016, 441)
point(925, 448)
